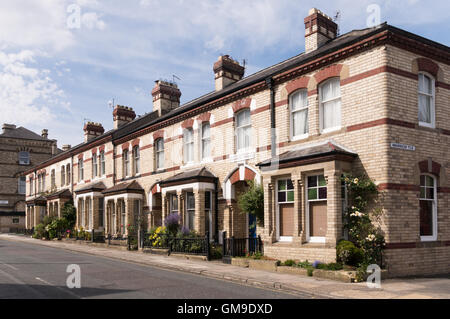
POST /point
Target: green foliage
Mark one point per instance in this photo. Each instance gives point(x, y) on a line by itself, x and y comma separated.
point(362, 220)
point(56, 227)
point(289, 263)
point(330, 266)
point(252, 201)
point(215, 251)
point(348, 254)
point(304, 264)
point(257, 256)
point(310, 271)
point(69, 213)
point(40, 232)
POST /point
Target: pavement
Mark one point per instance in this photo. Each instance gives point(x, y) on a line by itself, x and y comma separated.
point(410, 288)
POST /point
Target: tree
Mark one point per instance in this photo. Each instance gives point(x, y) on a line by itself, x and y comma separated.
point(252, 201)
point(69, 213)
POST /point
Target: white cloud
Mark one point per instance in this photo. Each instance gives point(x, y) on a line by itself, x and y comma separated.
point(91, 21)
point(28, 95)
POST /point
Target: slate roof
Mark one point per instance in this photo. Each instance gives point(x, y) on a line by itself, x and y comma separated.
point(92, 187)
point(23, 133)
point(128, 187)
point(305, 152)
point(65, 193)
point(200, 173)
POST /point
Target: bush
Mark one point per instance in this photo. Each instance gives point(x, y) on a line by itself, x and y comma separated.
point(69, 213)
point(40, 232)
point(310, 271)
point(216, 252)
point(172, 223)
point(348, 254)
point(304, 264)
point(330, 266)
point(289, 263)
point(252, 202)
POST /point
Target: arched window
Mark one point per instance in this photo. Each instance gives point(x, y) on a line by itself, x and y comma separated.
point(94, 165)
point(298, 103)
point(53, 179)
point(428, 208)
point(330, 105)
point(80, 170)
point(102, 163)
point(24, 158)
point(188, 145)
point(126, 163)
point(206, 140)
point(159, 154)
point(243, 130)
point(63, 176)
point(426, 100)
point(68, 174)
point(136, 160)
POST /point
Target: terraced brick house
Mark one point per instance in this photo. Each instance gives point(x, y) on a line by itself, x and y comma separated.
point(372, 101)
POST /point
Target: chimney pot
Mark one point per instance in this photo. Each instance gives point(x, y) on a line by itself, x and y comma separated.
point(66, 147)
point(92, 130)
point(122, 115)
point(319, 29)
point(8, 127)
point(166, 97)
point(44, 133)
point(227, 71)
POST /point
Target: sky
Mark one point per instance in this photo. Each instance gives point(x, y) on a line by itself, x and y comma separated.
point(63, 61)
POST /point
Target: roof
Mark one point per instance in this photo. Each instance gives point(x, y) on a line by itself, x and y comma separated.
point(331, 46)
point(200, 174)
point(92, 188)
point(65, 193)
point(129, 187)
point(309, 152)
point(38, 200)
point(23, 133)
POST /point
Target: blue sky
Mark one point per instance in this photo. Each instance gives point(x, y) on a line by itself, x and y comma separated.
point(56, 77)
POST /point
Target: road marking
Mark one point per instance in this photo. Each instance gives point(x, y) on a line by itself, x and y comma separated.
point(21, 283)
point(12, 267)
point(59, 288)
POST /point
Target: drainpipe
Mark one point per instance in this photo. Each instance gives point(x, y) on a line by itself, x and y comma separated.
point(273, 136)
point(114, 164)
point(216, 211)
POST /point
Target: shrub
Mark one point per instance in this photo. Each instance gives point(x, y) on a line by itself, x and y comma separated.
point(289, 263)
point(252, 201)
point(330, 266)
point(69, 213)
point(172, 223)
point(216, 252)
point(40, 232)
point(310, 271)
point(158, 236)
point(316, 264)
point(348, 254)
point(304, 264)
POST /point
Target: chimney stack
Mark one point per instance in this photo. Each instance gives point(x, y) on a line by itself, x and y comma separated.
point(123, 115)
point(166, 97)
point(92, 130)
point(66, 147)
point(319, 29)
point(44, 133)
point(227, 71)
point(8, 127)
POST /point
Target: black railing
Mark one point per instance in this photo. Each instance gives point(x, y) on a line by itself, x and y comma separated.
point(191, 246)
point(241, 247)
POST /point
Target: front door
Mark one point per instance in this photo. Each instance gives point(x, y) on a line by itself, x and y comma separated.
point(251, 226)
point(318, 219)
point(287, 220)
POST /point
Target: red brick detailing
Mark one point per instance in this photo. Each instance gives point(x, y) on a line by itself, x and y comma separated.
point(242, 104)
point(229, 120)
point(176, 168)
point(295, 85)
point(221, 158)
point(135, 142)
point(443, 85)
point(235, 177)
point(205, 117)
point(427, 65)
point(380, 122)
point(125, 146)
point(312, 92)
point(146, 147)
point(249, 174)
point(80, 157)
point(94, 151)
point(329, 72)
point(101, 148)
point(425, 168)
point(445, 190)
point(188, 124)
point(170, 139)
point(155, 189)
point(110, 176)
point(158, 135)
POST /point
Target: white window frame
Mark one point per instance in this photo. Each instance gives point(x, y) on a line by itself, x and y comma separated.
point(432, 103)
point(321, 106)
point(189, 211)
point(242, 128)
point(301, 109)
point(53, 178)
point(102, 163)
point(94, 165)
point(68, 174)
point(63, 176)
point(159, 150)
point(204, 140)
point(278, 217)
point(434, 212)
point(188, 146)
point(307, 201)
point(137, 160)
point(80, 170)
point(126, 163)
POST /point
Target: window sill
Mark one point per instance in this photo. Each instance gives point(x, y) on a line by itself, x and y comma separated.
point(427, 125)
point(331, 130)
point(428, 239)
point(299, 138)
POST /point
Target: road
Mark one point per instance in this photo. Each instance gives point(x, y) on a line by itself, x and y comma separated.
point(35, 272)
